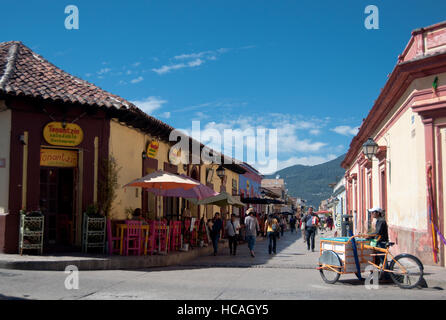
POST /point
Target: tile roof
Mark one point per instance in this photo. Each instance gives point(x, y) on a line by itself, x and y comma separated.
point(25, 73)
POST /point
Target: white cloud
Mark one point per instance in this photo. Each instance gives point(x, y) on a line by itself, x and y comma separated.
point(149, 104)
point(315, 132)
point(104, 71)
point(190, 60)
point(346, 130)
point(306, 161)
point(136, 64)
point(136, 80)
point(167, 68)
point(165, 115)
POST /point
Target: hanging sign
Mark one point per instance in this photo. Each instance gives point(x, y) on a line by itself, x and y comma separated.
point(58, 158)
point(69, 136)
point(152, 149)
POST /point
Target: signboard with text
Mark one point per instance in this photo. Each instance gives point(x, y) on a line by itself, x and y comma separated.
point(68, 135)
point(58, 158)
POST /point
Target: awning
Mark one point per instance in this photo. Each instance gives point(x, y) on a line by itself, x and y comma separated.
point(261, 201)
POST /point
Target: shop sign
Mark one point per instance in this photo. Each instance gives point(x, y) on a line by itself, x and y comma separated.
point(58, 158)
point(152, 149)
point(69, 136)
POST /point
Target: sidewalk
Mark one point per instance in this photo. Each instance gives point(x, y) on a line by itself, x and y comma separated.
point(85, 261)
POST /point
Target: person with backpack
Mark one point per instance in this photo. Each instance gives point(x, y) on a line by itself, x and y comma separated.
point(271, 228)
point(311, 223)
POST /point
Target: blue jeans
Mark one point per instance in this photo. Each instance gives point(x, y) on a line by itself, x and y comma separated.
point(271, 242)
point(251, 242)
point(215, 242)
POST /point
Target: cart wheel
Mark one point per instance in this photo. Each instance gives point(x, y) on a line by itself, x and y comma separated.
point(332, 259)
point(411, 275)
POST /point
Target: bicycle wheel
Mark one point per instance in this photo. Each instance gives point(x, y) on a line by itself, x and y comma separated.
point(332, 259)
point(407, 271)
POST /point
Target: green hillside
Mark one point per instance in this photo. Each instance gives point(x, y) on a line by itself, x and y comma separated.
point(311, 182)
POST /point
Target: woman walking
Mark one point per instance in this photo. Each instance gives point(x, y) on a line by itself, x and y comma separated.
point(271, 227)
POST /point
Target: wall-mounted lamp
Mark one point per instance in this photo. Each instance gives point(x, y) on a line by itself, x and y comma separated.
point(370, 148)
point(220, 172)
point(22, 139)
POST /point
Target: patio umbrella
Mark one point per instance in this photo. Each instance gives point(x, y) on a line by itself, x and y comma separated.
point(160, 181)
point(200, 191)
point(222, 199)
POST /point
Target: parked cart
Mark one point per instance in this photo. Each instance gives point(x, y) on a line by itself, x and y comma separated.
point(337, 257)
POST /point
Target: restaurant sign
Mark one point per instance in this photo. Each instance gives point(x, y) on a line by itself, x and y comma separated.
point(57, 134)
point(152, 149)
point(58, 158)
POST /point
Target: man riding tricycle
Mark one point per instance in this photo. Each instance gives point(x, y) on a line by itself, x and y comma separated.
point(366, 252)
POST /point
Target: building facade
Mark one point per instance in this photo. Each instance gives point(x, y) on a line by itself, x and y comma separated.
point(408, 123)
point(58, 136)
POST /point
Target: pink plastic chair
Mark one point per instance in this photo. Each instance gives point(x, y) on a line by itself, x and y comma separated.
point(175, 235)
point(132, 237)
point(161, 236)
point(151, 243)
point(112, 240)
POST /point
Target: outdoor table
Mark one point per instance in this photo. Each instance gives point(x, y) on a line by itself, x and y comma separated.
point(121, 227)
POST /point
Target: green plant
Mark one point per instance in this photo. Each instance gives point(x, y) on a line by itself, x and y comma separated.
point(92, 210)
point(107, 184)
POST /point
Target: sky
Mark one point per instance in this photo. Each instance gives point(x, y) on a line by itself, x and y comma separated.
point(308, 69)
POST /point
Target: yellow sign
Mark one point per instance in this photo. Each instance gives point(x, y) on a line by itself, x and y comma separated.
point(70, 136)
point(152, 149)
point(58, 158)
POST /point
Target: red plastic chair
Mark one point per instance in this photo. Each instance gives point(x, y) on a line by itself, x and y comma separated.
point(132, 237)
point(112, 240)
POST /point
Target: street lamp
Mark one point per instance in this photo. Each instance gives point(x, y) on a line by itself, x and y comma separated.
point(220, 172)
point(370, 148)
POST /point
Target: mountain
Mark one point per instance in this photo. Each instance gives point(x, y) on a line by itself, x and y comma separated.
point(311, 182)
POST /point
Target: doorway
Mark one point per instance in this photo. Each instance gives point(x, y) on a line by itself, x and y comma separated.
point(57, 205)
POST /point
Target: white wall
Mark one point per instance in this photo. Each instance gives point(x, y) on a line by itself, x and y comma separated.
point(5, 139)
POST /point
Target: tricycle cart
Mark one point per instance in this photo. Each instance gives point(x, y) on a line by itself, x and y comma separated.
point(337, 257)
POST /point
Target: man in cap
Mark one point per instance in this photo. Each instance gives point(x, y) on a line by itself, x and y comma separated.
point(381, 230)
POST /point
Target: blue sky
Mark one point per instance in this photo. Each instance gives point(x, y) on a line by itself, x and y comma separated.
point(309, 68)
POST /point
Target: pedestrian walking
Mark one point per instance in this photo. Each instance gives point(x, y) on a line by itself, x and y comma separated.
point(330, 222)
point(283, 225)
point(292, 224)
point(217, 226)
point(231, 231)
point(302, 227)
point(311, 224)
point(252, 227)
point(271, 227)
